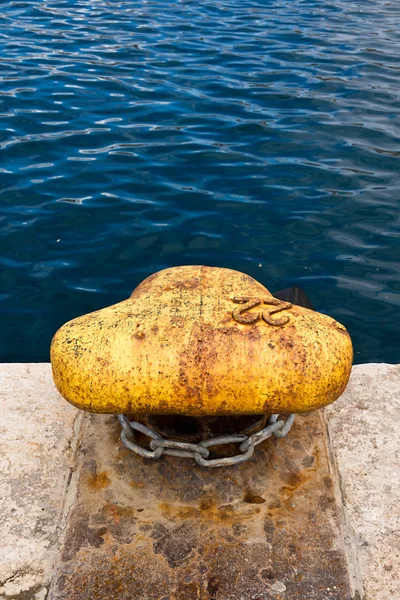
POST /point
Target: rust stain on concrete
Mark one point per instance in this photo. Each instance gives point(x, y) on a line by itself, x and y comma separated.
point(98, 481)
point(169, 530)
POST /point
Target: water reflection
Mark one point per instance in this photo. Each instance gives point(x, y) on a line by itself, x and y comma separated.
point(139, 135)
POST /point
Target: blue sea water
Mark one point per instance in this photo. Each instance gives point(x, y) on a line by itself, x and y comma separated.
point(257, 135)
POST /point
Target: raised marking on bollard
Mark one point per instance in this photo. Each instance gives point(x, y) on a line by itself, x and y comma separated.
point(248, 304)
point(279, 307)
point(251, 318)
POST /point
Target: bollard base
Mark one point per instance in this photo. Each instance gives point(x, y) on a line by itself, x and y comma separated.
point(170, 530)
point(198, 429)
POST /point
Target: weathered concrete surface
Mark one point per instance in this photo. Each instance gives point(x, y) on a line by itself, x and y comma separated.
point(37, 429)
point(250, 529)
point(364, 430)
point(152, 530)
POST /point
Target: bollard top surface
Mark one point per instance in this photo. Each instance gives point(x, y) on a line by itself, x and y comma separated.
point(198, 341)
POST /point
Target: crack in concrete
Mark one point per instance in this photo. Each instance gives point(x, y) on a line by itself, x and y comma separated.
point(348, 536)
point(71, 486)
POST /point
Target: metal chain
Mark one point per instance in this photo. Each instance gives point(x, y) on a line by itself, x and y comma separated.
point(200, 452)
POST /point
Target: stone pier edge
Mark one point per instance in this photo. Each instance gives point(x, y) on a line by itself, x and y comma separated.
point(40, 465)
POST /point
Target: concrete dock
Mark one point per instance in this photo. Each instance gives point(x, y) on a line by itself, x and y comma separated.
point(314, 516)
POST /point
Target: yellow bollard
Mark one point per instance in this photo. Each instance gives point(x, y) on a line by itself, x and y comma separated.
point(201, 341)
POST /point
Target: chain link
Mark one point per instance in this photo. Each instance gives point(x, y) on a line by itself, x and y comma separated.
point(199, 452)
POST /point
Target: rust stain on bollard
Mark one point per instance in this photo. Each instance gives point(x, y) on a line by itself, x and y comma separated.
point(169, 530)
point(201, 341)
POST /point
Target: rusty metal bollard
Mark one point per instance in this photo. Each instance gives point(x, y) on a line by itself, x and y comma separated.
point(201, 342)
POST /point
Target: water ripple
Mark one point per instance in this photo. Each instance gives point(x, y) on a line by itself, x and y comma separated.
point(137, 135)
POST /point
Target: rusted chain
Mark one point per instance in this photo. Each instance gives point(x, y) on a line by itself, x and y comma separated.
point(199, 452)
